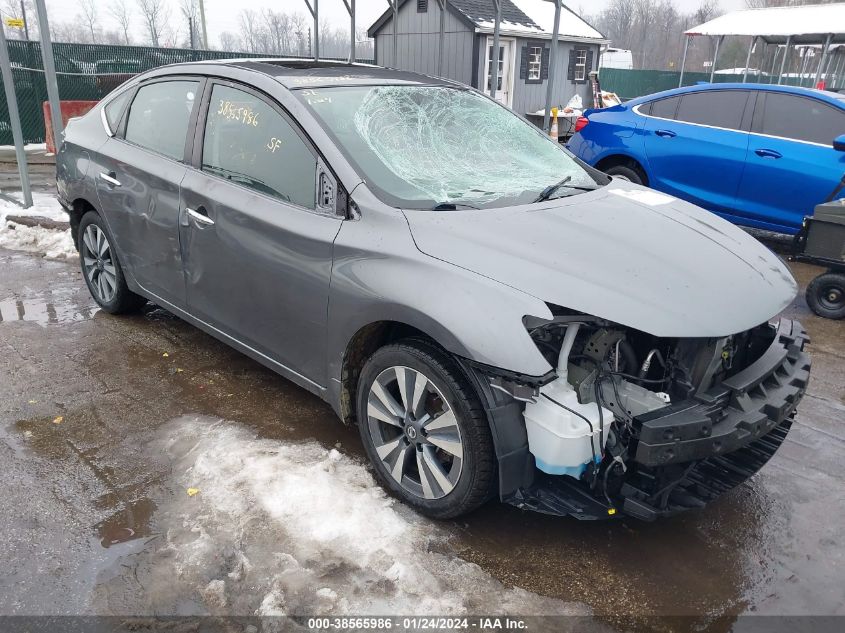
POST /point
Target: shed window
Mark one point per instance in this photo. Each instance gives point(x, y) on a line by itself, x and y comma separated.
point(534, 63)
point(422, 6)
point(581, 64)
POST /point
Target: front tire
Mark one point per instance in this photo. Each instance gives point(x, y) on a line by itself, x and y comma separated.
point(101, 268)
point(425, 430)
point(826, 295)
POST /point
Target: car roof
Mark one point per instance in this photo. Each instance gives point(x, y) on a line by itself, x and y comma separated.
point(296, 73)
point(831, 97)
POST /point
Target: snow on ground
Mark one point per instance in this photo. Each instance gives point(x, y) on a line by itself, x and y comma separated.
point(35, 239)
point(292, 528)
point(29, 147)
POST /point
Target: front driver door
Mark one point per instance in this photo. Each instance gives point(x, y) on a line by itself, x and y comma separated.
point(257, 243)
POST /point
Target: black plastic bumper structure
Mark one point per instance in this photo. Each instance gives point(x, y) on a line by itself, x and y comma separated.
point(692, 451)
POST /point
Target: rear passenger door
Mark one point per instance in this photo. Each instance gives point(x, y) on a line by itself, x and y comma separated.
point(139, 171)
point(257, 239)
point(792, 165)
point(696, 145)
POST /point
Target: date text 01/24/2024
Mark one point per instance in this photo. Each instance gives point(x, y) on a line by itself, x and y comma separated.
point(416, 623)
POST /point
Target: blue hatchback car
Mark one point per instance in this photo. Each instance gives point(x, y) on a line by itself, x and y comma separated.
point(759, 155)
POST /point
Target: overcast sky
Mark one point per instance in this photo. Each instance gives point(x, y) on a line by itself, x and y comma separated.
point(222, 15)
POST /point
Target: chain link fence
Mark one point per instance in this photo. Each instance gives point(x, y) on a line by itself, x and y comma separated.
point(86, 72)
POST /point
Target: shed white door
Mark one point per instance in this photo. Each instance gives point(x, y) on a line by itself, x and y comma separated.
point(506, 59)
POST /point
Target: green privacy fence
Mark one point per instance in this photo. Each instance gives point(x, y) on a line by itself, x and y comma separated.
point(629, 84)
point(83, 72)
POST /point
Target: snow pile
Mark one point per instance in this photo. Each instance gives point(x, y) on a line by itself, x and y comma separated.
point(292, 528)
point(51, 243)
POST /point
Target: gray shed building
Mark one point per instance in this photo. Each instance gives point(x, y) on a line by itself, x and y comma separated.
point(524, 47)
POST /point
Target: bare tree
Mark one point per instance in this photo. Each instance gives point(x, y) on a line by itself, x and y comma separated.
point(269, 31)
point(280, 30)
point(156, 13)
point(299, 26)
point(71, 31)
point(229, 41)
point(121, 13)
point(190, 11)
point(113, 37)
point(251, 29)
point(653, 31)
point(88, 16)
point(759, 4)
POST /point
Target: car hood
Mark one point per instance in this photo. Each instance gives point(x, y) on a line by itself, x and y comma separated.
point(624, 253)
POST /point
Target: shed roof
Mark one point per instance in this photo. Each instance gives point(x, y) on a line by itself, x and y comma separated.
point(807, 24)
point(529, 18)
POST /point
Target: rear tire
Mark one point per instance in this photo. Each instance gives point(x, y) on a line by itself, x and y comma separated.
point(435, 453)
point(101, 267)
point(826, 295)
point(623, 172)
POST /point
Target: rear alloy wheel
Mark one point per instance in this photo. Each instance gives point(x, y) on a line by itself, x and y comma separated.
point(424, 430)
point(623, 172)
point(826, 295)
point(101, 268)
point(97, 263)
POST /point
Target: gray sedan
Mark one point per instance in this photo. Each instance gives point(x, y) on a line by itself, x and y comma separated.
point(498, 318)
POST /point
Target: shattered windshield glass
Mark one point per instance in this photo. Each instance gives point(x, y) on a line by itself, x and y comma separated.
point(423, 146)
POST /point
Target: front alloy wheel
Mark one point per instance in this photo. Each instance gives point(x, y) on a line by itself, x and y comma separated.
point(425, 430)
point(414, 432)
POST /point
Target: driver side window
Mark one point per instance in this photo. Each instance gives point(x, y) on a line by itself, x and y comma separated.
point(250, 143)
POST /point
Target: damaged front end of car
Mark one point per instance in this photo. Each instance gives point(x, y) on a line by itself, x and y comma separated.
point(634, 424)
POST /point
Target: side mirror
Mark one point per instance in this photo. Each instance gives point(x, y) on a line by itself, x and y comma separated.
point(839, 143)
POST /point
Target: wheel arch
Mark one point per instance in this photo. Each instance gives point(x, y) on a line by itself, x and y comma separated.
point(503, 413)
point(78, 208)
point(363, 344)
point(612, 160)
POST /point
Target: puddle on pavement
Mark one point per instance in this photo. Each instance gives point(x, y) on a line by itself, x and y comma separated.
point(44, 309)
point(130, 523)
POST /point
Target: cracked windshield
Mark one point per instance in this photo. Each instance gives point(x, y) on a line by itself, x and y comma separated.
point(420, 147)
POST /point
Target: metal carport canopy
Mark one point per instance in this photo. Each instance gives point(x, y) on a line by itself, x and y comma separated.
point(808, 24)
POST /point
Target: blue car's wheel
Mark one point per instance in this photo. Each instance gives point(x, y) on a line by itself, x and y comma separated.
point(623, 172)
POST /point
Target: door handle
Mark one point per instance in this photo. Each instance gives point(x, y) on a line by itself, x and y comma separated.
point(110, 178)
point(767, 153)
point(200, 215)
point(665, 133)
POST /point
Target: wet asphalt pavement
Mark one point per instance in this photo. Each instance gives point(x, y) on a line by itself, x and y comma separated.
point(105, 422)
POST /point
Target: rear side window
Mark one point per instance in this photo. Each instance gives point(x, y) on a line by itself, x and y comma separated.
point(717, 108)
point(158, 117)
point(665, 108)
point(250, 143)
point(800, 118)
point(114, 109)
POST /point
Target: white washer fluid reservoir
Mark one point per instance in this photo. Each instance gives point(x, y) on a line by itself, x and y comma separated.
point(563, 434)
